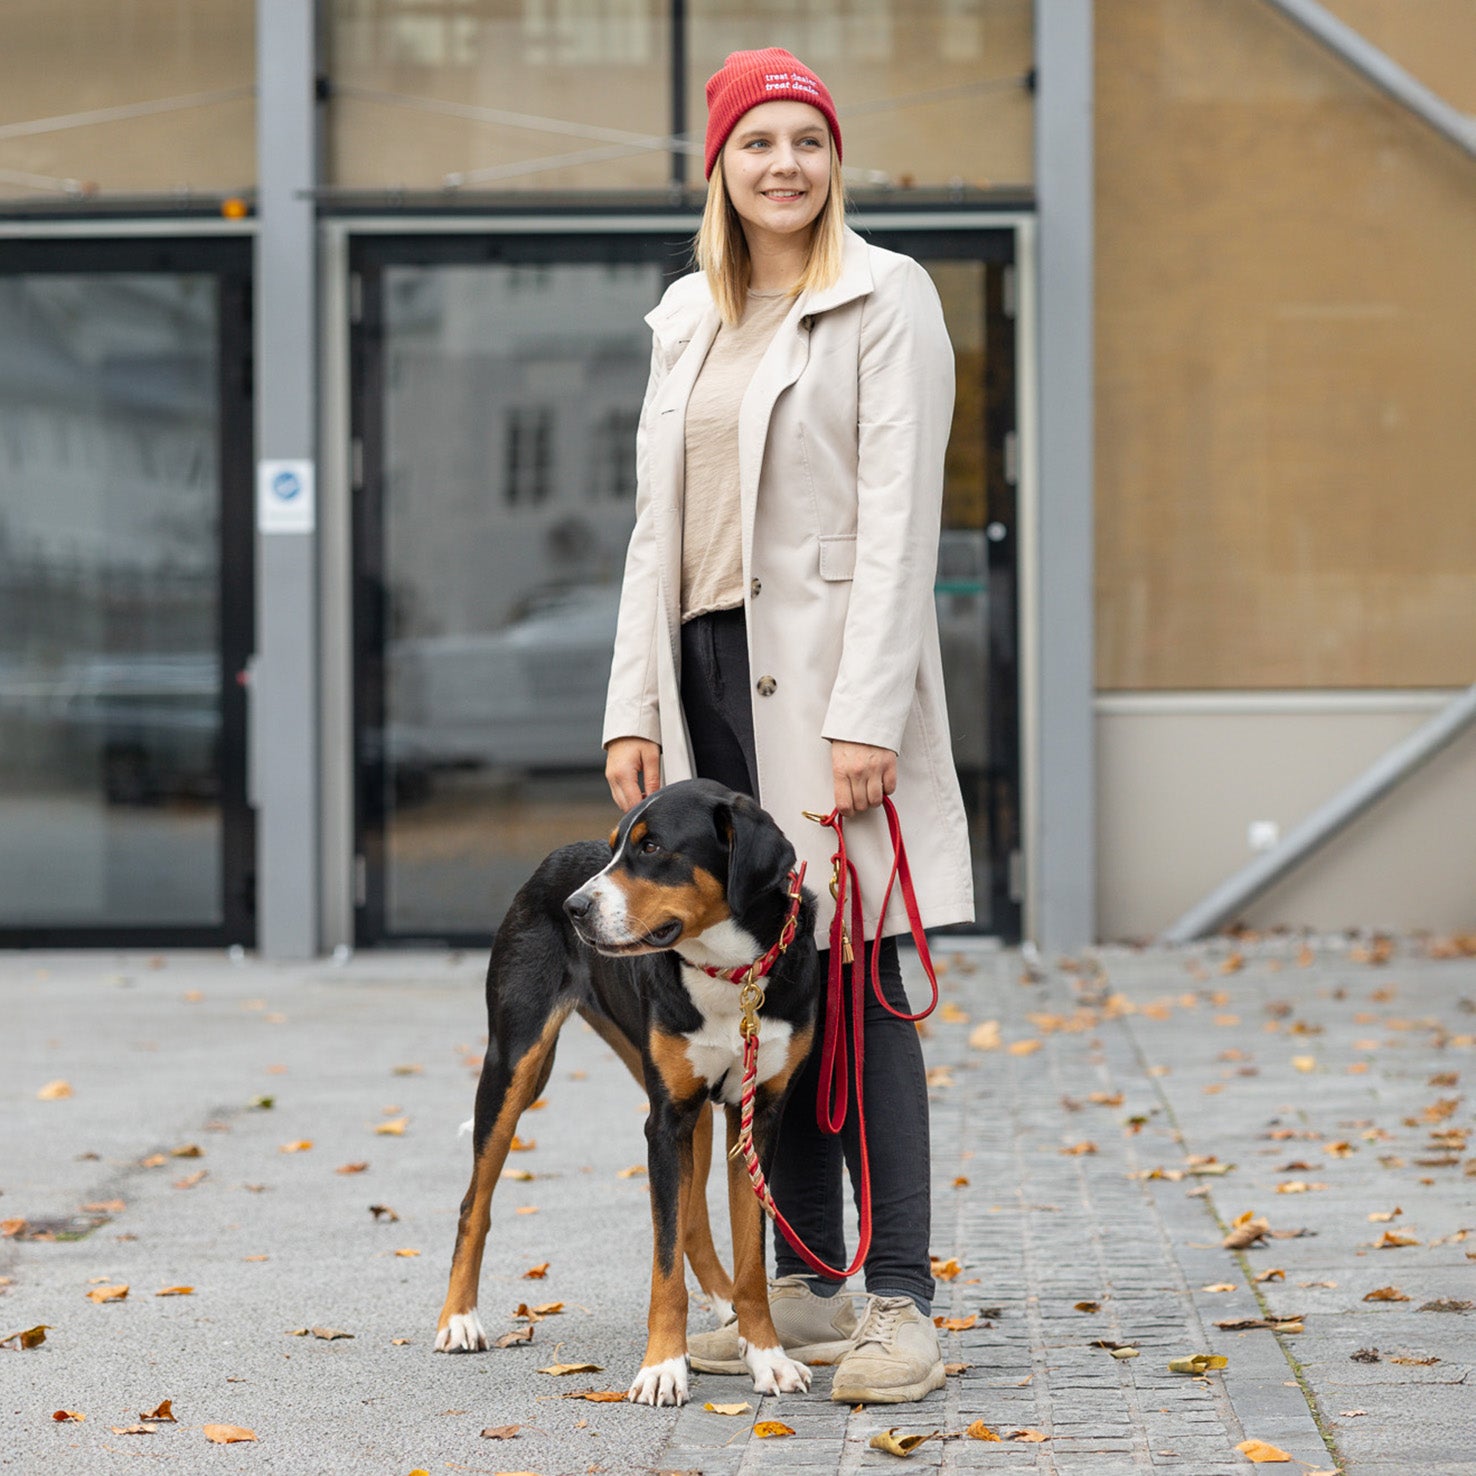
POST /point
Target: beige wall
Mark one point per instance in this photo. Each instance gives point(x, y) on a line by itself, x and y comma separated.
point(1286, 306)
point(1182, 777)
point(64, 58)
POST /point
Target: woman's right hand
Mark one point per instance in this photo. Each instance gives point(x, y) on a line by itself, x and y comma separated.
point(633, 769)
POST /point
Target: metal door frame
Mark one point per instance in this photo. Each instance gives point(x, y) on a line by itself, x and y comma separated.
point(224, 252)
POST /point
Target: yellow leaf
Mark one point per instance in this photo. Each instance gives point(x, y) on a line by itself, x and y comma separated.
point(520, 1145)
point(1304, 1063)
point(1386, 1294)
point(66, 1416)
point(771, 1429)
point(946, 1270)
point(560, 1369)
point(526, 1209)
point(956, 1324)
point(985, 1036)
point(727, 1409)
point(175, 1291)
point(1271, 1273)
point(1260, 1454)
point(1030, 1437)
point(961, 1182)
point(538, 1272)
point(108, 1293)
point(633, 1172)
point(899, 1445)
point(523, 1176)
point(228, 1434)
point(31, 1337)
point(394, 1128)
point(1219, 1286)
point(301, 1145)
point(548, 1309)
point(1198, 1363)
point(54, 1091)
point(1079, 1150)
point(351, 1168)
point(164, 1412)
point(407, 1253)
point(951, 1014)
point(597, 1396)
point(1392, 1238)
point(980, 1431)
point(1024, 1048)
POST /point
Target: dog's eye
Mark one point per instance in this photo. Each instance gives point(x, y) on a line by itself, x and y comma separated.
point(650, 847)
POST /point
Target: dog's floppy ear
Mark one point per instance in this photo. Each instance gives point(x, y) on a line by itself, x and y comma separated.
point(760, 856)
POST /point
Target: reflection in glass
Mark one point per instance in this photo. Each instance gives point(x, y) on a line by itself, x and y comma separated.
point(109, 672)
point(511, 396)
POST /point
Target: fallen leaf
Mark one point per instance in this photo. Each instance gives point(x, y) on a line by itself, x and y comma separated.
point(1304, 1063)
point(165, 1413)
point(1292, 1322)
point(31, 1337)
point(407, 1253)
point(980, 1431)
point(945, 1270)
point(500, 1432)
point(985, 1036)
point(560, 1369)
point(939, 1076)
point(1271, 1273)
point(102, 1294)
point(54, 1091)
point(351, 1168)
point(1298, 1186)
point(395, 1128)
point(520, 1145)
point(153, 1161)
point(635, 1171)
point(1386, 1294)
point(952, 1014)
point(11, 1227)
point(961, 1182)
point(521, 1175)
point(518, 1335)
point(900, 1445)
point(956, 1324)
point(1122, 1353)
point(175, 1291)
point(68, 1416)
point(400, 1342)
point(1079, 1150)
point(1198, 1363)
point(299, 1145)
point(548, 1309)
point(228, 1434)
point(187, 1150)
point(1246, 1230)
point(1018, 1048)
point(772, 1430)
point(383, 1212)
point(1260, 1454)
point(134, 1430)
point(263, 1104)
point(1219, 1286)
point(406, 1070)
point(329, 1334)
point(1087, 1306)
point(1364, 1355)
point(727, 1409)
point(190, 1180)
point(1392, 1239)
point(105, 1207)
point(256, 1258)
point(538, 1272)
point(1028, 1436)
point(526, 1209)
point(953, 1370)
point(1416, 1362)
point(1382, 1217)
point(1446, 1304)
point(597, 1396)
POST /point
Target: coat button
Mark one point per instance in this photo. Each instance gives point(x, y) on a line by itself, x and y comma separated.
point(766, 686)
point(755, 587)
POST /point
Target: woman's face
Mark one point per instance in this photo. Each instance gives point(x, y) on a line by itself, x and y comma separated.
point(776, 168)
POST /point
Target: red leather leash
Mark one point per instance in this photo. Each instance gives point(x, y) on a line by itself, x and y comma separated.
point(831, 1102)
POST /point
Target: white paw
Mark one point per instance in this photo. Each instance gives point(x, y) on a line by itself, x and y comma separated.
point(722, 1310)
point(774, 1371)
point(661, 1383)
point(463, 1334)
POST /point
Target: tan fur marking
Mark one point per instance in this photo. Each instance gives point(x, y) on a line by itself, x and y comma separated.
point(698, 905)
point(750, 1287)
point(476, 1216)
point(711, 1274)
point(637, 834)
point(666, 1321)
point(669, 1056)
point(614, 836)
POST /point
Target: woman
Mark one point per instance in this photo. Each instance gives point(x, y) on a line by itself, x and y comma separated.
point(777, 634)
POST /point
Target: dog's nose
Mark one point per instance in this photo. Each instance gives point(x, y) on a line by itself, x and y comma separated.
point(578, 905)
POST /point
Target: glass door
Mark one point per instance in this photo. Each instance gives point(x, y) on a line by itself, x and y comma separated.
point(125, 591)
point(498, 382)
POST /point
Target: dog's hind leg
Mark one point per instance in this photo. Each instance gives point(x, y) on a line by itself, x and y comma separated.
point(505, 1090)
point(712, 1276)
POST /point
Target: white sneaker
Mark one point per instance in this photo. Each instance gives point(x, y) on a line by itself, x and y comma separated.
point(894, 1359)
point(812, 1329)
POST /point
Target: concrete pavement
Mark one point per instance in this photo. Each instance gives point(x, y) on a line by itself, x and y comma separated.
point(1079, 1180)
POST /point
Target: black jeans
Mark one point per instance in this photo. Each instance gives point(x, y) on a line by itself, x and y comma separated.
point(806, 1177)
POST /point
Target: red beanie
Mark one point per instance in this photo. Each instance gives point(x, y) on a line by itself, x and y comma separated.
point(749, 78)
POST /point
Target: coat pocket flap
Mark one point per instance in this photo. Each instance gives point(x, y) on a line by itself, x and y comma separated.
point(837, 555)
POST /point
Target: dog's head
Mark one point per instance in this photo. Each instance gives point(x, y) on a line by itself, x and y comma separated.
point(690, 859)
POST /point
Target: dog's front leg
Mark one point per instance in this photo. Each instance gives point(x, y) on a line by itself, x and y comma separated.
point(773, 1370)
point(663, 1378)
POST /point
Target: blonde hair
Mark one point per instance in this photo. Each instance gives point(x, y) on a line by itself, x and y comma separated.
point(721, 249)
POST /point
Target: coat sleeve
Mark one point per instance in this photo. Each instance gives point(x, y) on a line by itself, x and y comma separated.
point(631, 700)
point(905, 388)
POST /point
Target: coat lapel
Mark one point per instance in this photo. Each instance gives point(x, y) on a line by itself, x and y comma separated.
point(783, 363)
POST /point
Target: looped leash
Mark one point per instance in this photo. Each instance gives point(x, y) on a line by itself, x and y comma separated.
point(831, 1103)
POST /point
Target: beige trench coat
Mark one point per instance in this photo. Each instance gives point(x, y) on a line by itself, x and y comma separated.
point(841, 437)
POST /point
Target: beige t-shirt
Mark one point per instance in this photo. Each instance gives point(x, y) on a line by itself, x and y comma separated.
point(712, 528)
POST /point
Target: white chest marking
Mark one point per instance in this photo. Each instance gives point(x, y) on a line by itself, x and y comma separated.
point(715, 1048)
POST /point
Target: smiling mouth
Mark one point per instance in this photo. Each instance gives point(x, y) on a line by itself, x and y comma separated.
point(657, 940)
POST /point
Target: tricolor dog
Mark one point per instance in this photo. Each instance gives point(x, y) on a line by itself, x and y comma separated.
point(694, 875)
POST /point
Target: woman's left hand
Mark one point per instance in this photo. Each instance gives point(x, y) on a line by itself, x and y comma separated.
point(863, 774)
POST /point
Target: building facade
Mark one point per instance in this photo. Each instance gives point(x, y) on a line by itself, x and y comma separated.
point(321, 360)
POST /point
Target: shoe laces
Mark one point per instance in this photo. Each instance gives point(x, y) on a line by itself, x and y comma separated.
point(880, 1322)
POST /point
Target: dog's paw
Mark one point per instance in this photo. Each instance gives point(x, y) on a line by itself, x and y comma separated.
point(463, 1333)
point(661, 1383)
point(774, 1371)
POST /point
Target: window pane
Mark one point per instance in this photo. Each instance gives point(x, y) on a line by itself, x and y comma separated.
point(140, 98)
point(109, 579)
point(928, 92)
point(511, 395)
point(499, 94)
point(1285, 315)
